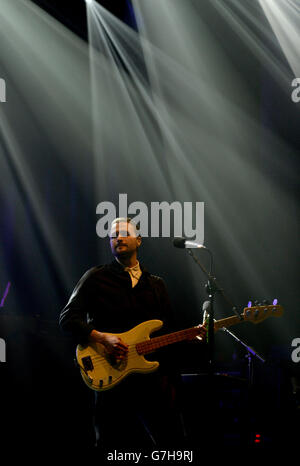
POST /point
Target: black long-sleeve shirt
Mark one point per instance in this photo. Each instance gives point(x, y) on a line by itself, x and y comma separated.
point(105, 300)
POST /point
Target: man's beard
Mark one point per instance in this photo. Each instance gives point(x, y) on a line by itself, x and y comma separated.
point(123, 253)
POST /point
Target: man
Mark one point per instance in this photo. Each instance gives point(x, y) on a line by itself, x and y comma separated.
point(140, 411)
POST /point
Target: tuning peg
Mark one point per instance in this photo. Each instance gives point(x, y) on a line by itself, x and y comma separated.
point(266, 303)
point(275, 302)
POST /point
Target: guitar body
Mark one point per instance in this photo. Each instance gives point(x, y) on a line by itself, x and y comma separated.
point(101, 371)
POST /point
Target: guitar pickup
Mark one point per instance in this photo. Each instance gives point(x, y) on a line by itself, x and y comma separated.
point(87, 363)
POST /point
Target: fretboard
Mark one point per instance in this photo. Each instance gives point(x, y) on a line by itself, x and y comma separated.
point(227, 322)
point(188, 334)
point(158, 342)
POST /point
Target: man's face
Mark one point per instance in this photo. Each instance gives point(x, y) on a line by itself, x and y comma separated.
point(123, 239)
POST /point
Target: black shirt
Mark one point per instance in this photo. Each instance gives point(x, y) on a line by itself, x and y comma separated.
point(105, 300)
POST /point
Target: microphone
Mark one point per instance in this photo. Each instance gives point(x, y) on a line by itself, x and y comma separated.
point(205, 309)
point(185, 243)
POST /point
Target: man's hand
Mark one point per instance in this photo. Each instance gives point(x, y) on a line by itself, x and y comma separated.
point(112, 343)
point(202, 333)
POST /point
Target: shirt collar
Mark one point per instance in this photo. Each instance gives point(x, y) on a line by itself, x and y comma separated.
point(135, 268)
point(119, 267)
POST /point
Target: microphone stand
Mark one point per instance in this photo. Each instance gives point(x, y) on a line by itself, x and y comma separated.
point(250, 353)
point(212, 288)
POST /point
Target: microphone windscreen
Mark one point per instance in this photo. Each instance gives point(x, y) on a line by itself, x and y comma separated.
point(179, 242)
point(206, 306)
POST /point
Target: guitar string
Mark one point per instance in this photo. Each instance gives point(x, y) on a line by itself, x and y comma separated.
point(147, 342)
point(131, 352)
point(99, 360)
point(132, 348)
point(102, 361)
point(172, 339)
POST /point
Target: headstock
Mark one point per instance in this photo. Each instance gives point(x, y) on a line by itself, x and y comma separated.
point(258, 313)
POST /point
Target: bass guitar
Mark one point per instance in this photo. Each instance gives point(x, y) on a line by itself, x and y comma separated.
point(100, 370)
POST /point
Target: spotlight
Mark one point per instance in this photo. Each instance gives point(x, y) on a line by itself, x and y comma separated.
point(89, 2)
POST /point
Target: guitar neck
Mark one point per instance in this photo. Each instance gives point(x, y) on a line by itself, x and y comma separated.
point(227, 322)
point(164, 340)
point(153, 344)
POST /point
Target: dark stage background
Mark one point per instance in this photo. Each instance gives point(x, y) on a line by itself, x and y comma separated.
point(43, 398)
